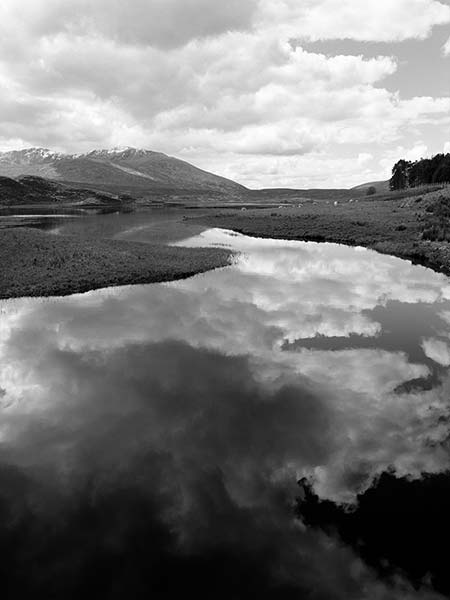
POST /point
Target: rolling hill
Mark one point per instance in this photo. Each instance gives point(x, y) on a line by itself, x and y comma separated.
point(380, 186)
point(128, 169)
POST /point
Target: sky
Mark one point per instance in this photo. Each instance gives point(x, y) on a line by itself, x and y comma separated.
point(270, 93)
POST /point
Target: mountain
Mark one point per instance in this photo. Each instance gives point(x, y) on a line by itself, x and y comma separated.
point(30, 189)
point(128, 169)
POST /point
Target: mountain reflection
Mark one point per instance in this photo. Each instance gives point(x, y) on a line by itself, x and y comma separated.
point(152, 436)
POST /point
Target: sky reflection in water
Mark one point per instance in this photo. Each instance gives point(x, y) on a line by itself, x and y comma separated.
point(210, 397)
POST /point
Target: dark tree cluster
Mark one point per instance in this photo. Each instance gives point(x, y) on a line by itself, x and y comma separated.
point(425, 171)
point(398, 525)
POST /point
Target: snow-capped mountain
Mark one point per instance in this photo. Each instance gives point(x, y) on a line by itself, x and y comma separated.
point(127, 168)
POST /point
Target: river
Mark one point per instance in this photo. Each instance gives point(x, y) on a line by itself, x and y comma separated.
point(152, 437)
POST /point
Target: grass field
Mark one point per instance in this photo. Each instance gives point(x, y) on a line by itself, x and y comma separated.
point(33, 263)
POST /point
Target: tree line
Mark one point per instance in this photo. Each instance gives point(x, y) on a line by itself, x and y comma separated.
point(406, 173)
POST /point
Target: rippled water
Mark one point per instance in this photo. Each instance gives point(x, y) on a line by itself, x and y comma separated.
point(152, 436)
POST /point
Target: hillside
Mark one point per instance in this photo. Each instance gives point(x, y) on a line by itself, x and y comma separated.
point(380, 186)
point(29, 189)
point(129, 169)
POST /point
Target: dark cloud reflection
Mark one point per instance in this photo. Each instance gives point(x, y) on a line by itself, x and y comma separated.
point(152, 437)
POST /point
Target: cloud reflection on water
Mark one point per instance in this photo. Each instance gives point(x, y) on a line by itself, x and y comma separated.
point(184, 393)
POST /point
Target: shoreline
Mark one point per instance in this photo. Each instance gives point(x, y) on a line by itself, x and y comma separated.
point(410, 252)
point(385, 227)
point(35, 263)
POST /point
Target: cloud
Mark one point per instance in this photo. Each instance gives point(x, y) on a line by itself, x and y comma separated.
point(172, 23)
point(437, 350)
point(365, 158)
point(222, 86)
point(416, 151)
point(156, 23)
point(446, 48)
point(372, 20)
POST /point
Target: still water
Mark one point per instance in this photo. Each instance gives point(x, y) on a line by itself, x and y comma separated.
point(152, 436)
point(150, 225)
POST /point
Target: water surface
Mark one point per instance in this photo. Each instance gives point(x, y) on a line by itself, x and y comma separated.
point(152, 436)
point(149, 225)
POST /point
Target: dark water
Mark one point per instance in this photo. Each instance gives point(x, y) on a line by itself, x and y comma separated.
point(52, 219)
point(155, 225)
point(152, 437)
point(42, 212)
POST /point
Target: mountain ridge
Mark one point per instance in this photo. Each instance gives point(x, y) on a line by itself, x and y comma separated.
point(121, 167)
point(125, 169)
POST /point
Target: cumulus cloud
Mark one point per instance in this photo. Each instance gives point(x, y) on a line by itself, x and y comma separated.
point(160, 23)
point(372, 20)
point(222, 86)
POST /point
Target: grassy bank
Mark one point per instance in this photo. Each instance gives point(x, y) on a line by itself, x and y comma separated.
point(34, 263)
point(412, 227)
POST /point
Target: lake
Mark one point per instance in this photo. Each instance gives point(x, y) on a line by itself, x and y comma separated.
point(153, 437)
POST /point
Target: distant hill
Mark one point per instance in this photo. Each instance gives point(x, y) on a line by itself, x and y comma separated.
point(380, 186)
point(303, 195)
point(29, 189)
point(128, 169)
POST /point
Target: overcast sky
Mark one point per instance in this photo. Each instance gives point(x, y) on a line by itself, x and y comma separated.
point(271, 93)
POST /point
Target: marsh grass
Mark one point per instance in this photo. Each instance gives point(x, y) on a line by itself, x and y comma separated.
point(33, 263)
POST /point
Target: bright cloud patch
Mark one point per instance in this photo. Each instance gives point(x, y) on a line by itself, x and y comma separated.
point(371, 20)
point(437, 350)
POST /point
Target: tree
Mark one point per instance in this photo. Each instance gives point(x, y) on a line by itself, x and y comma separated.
point(400, 172)
point(425, 171)
point(371, 190)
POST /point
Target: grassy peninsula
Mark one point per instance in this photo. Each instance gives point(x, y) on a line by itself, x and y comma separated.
point(35, 263)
